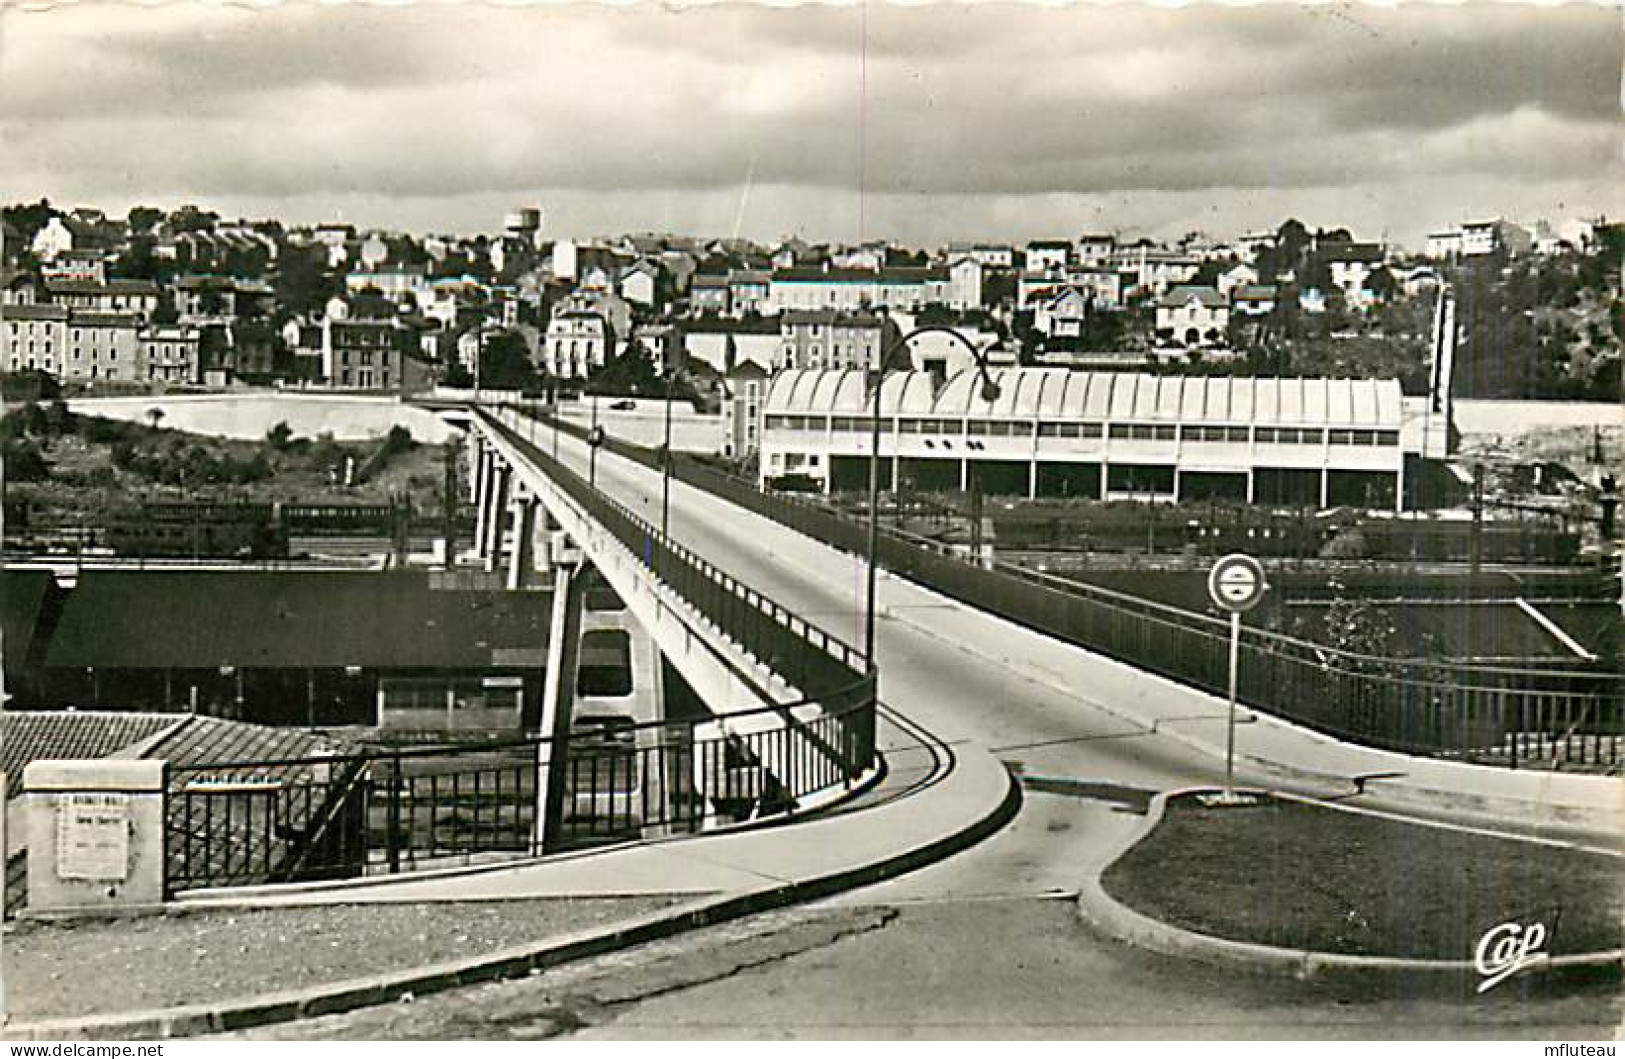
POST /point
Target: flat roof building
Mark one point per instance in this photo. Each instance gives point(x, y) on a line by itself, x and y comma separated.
point(1107, 435)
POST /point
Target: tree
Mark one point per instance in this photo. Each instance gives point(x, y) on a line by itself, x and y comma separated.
point(303, 283)
point(279, 436)
point(29, 219)
point(399, 439)
point(29, 385)
point(191, 219)
point(457, 377)
point(628, 373)
point(143, 219)
point(24, 462)
point(505, 363)
point(155, 415)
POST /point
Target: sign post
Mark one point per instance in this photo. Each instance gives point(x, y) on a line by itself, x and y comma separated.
point(1236, 584)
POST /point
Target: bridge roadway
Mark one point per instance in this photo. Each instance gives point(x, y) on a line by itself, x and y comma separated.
point(1057, 710)
point(981, 946)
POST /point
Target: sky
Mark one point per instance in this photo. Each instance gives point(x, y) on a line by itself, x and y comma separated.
point(836, 123)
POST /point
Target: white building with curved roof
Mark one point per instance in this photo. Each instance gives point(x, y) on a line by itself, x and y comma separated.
point(1108, 435)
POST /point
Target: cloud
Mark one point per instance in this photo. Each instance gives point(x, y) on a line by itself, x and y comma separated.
point(995, 104)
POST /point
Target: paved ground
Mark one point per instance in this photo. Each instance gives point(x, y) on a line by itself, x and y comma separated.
point(976, 947)
point(992, 968)
point(205, 956)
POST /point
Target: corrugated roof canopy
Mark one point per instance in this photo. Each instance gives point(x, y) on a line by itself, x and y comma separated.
point(1120, 396)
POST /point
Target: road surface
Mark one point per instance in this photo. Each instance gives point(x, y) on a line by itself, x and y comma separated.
point(984, 944)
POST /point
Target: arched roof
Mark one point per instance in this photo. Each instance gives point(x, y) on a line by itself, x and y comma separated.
point(1056, 393)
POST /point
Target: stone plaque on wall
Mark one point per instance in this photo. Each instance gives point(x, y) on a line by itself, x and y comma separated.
point(93, 836)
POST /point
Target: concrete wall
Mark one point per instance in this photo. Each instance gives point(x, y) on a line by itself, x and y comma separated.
point(1522, 417)
point(249, 416)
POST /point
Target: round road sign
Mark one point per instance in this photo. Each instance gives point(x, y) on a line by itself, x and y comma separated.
point(595, 436)
point(1237, 583)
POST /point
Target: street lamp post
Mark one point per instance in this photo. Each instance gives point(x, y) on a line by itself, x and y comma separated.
point(990, 393)
point(665, 460)
point(592, 443)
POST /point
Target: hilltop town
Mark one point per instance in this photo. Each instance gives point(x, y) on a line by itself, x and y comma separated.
point(187, 299)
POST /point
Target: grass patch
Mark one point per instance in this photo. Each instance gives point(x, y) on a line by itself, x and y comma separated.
point(1303, 876)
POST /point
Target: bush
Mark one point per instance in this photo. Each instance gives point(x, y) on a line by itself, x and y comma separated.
point(24, 462)
point(280, 436)
point(33, 385)
point(326, 452)
point(29, 420)
point(59, 419)
point(99, 431)
point(398, 440)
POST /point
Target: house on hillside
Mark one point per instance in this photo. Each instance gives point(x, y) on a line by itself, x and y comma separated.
point(1192, 316)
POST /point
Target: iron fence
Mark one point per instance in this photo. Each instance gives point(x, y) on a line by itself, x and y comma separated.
point(1492, 715)
point(386, 811)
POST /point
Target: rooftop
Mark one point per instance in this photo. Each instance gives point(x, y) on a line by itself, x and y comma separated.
point(34, 312)
point(1177, 296)
point(148, 619)
point(1117, 396)
point(833, 317)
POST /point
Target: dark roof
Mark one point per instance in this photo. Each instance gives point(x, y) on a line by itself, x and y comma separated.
point(205, 283)
point(1366, 252)
point(895, 274)
point(1255, 292)
point(1177, 296)
point(206, 740)
point(22, 597)
point(36, 312)
point(112, 286)
point(86, 319)
point(746, 370)
point(834, 317)
point(150, 619)
point(42, 735)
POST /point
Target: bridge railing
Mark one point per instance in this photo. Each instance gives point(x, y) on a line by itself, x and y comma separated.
point(397, 809)
point(1484, 714)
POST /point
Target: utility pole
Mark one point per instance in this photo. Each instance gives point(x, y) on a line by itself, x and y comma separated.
point(448, 504)
point(1476, 544)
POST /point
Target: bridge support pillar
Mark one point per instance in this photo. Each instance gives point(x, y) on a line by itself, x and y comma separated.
point(483, 459)
point(522, 555)
point(558, 701)
point(496, 502)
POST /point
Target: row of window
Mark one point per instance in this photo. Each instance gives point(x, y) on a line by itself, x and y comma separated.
point(1235, 435)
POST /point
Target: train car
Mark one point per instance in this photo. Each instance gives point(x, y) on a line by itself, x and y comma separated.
point(1452, 541)
point(198, 538)
point(340, 519)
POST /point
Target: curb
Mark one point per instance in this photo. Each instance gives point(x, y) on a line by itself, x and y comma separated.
point(1111, 918)
point(335, 997)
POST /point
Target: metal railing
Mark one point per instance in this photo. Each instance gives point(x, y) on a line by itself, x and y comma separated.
point(297, 819)
point(398, 809)
point(1483, 714)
